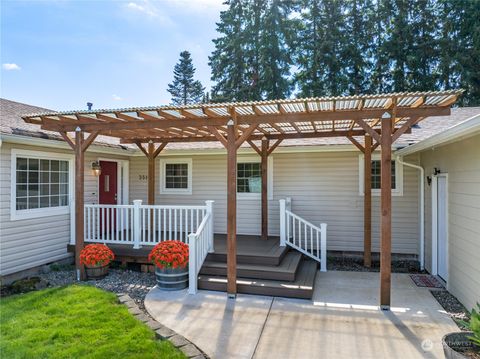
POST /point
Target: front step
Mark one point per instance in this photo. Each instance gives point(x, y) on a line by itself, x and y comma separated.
point(251, 250)
point(285, 271)
point(301, 287)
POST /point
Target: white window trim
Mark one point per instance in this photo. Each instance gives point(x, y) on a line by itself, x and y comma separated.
point(397, 191)
point(15, 214)
point(122, 173)
point(163, 164)
point(256, 159)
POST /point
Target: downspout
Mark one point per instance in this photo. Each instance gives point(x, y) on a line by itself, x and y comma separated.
point(422, 208)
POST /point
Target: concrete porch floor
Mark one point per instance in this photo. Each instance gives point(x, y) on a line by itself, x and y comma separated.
point(342, 321)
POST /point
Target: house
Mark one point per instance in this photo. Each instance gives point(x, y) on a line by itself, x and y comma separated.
point(323, 176)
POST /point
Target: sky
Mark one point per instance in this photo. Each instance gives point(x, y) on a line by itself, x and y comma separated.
point(62, 54)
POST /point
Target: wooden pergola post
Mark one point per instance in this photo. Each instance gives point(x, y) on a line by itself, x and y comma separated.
point(231, 210)
point(264, 151)
point(386, 212)
point(79, 145)
point(151, 154)
point(367, 203)
point(264, 172)
point(79, 202)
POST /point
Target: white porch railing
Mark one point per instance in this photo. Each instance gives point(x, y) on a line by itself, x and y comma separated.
point(200, 244)
point(302, 235)
point(139, 224)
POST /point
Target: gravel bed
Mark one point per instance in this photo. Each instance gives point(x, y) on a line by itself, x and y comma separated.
point(452, 306)
point(354, 264)
point(134, 283)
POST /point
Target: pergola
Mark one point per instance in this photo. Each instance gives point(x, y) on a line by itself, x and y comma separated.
point(381, 119)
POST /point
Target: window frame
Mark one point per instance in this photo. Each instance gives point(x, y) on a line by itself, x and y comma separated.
point(163, 174)
point(256, 159)
point(45, 211)
point(397, 191)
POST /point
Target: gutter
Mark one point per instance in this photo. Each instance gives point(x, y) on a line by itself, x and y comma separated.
point(422, 208)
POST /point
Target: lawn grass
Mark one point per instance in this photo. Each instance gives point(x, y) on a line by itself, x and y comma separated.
point(77, 321)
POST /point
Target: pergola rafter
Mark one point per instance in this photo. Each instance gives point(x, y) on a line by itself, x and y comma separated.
point(382, 118)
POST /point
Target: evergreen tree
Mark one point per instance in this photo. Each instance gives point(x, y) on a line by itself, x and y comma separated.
point(277, 31)
point(252, 57)
point(357, 49)
point(184, 89)
point(229, 62)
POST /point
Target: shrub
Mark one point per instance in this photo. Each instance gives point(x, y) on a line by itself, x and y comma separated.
point(169, 254)
point(474, 325)
point(96, 255)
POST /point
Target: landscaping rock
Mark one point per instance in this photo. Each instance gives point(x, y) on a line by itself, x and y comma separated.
point(452, 306)
point(190, 350)
point(178, 340)
point(165, 333)
point(142, 317)
point(154, 325)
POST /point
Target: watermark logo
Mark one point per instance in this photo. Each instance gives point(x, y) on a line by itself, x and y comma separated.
point(427, 345)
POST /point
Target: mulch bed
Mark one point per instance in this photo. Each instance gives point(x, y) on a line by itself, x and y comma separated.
point(355, 264)
point(452, 306)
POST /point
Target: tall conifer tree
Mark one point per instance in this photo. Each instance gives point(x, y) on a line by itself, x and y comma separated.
point(184, 89)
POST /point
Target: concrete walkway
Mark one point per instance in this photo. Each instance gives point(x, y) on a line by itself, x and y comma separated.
point(342, 321)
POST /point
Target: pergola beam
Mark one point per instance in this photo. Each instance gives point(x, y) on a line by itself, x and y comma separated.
point(151, 153)
point(55, 125)
point(279, 137)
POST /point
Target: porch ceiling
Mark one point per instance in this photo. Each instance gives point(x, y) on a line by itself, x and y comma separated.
point(278, 119)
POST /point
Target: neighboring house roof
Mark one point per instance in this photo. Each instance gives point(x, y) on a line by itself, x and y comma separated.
point(469, 127)
point(11, 123)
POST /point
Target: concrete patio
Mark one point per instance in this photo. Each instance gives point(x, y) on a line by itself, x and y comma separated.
point(342, 321)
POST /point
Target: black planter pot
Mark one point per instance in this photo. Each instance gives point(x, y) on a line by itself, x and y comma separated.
point(96, 272)
point(172, 278)
point(454, 344)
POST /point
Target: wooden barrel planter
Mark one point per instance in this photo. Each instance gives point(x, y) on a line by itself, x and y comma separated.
point(96, 272)
point(457, 345)
point(172, 278)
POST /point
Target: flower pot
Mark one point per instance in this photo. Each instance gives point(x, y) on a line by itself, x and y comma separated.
point(456, 344)
point(96, 272)
point(172, 278)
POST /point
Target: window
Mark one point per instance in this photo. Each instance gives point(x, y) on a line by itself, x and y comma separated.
point(376, 175)
point(41, 184)
point(176, 176)
point(249, 177)
point(397, 176)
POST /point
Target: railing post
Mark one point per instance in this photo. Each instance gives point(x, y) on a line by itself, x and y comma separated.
point(136, 223)
point(211, 246)
point(72, 222)
point(283, 223)
point(323, 247)
point(192, 265)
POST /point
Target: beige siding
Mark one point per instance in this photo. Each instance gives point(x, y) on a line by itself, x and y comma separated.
point(461, 160)
point(28, 243)
point(323, 187)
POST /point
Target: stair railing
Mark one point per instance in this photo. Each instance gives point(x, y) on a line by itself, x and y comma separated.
point(200, 244)
point(303, 235)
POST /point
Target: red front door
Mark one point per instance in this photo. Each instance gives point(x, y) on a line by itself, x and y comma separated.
point(108, 195)
point(108, 183)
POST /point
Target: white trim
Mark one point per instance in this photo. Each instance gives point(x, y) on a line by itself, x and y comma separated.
point(256, 159)
point(397, 191)
point(435, 223)
point(122, 174)
point(467, 128)
point(163, 163)
point(15, 214)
